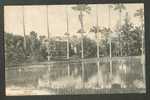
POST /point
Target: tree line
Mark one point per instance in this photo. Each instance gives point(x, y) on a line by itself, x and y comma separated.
point(33, 47)
point(36, 49)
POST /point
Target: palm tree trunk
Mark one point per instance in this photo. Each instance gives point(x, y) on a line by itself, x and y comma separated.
point(110, 46)
point(82, 49)
point(110, 56)
point(82, 31)
point(97, 41)
point(24, 31)
point(48, 33)
point(109, 21)
point(81, 20)
point(97, 31)
point(120, 46)
point(120, 14)
point(67, 23)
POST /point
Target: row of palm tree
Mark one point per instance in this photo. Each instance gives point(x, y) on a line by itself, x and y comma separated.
point(82, 8)
point(96, 30)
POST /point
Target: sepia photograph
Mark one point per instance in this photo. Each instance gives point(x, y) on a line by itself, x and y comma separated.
point(74, 49)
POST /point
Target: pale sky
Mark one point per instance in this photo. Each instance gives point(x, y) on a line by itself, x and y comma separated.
point(35, 18)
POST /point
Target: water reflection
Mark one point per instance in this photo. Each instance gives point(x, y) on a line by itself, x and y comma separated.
point(125, 74)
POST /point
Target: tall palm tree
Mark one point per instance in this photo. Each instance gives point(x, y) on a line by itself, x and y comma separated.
point(24, 31)
point(120, 8)
point(67, 34)
point(110, 46)
point(48, 47)
point(82, 8)
point(48, 33)
point(97, 31)
point(97, 41)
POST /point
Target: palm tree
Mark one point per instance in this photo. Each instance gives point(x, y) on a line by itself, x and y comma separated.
point(82, 8)
point(96, 29)
point(120, 8)
point(110, 44)
point(24, 31)
point(67, 34)
point(96, 32)
point(48, 33)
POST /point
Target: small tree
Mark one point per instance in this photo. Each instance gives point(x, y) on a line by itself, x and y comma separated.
point(35, 46)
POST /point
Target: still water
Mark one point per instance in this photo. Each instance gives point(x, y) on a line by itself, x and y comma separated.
point(124, 75)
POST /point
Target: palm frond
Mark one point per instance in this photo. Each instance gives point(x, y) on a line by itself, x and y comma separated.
point(82, 7)
point(119, 7)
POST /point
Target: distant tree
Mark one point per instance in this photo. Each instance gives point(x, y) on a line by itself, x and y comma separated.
point(43, 48)
point(75, 42)
point(105, 32)
point(89, 47)
point(131, 38)
point(35, 46)
point(127, 28)
point(14, 49)
point(135, 44)
point(120, 8)
point(140, 13)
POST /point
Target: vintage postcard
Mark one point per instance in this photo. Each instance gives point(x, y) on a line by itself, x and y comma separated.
point(74, 49)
